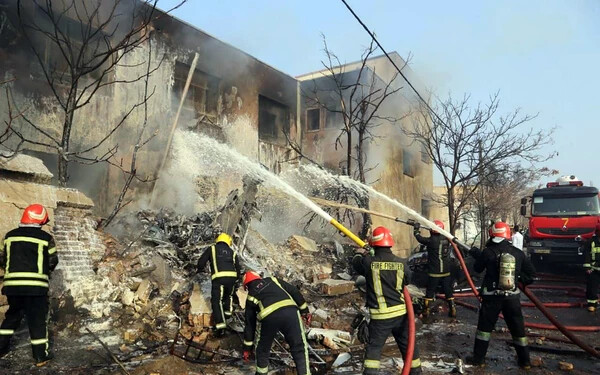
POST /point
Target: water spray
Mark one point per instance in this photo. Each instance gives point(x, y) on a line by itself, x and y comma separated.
point(218, 154)
point(348, 182)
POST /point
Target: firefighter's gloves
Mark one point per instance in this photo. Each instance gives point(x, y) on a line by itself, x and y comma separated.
point(307, 318)
point(416, 225)
point(246, 355)
point(361, 251)
point(366, 250)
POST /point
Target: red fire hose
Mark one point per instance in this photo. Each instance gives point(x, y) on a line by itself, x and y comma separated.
point(558, 325)
point(556, 287)
point(564, 330)
point(555, 305)
point(549, 305)
point(464, 267)
point(538, 325)
point(410, 348)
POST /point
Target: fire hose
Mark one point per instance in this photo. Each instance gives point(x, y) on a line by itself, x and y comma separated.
point(550, 305)
point(407, 300)
point(564, 330)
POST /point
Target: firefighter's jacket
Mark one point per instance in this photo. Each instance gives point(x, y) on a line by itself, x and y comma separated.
point(28, 257)
point(438, 254)
point(592, 254)
point(386, 276)
point(489, 260)
point(266, 296)
point(223, 261)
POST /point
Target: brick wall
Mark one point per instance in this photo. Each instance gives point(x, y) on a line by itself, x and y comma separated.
point(78, 246)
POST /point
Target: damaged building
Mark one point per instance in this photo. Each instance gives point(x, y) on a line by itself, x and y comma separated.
point(232, 96)
point(394, 165)
point(129, 297)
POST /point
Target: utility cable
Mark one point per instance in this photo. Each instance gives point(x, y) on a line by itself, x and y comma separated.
point(392, 61)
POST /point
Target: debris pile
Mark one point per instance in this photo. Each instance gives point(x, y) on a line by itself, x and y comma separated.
point(177, 238)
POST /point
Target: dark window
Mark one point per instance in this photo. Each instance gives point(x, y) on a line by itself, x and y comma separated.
point(203, 94)
point(408, 163)
point(273, 120)
point(334, 120)
point(84, 48)
point(424, 154)
point(313, 119)
point(425, 207)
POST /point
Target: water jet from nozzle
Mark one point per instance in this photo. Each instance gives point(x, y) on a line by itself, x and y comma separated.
point(215, 158)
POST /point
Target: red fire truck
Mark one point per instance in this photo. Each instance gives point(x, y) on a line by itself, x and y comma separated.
point(560, 213)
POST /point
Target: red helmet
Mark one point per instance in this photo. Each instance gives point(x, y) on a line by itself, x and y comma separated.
point(439, 223)
point(250, 276)
point(500, 231)
point(381, 237)
point(35, 214)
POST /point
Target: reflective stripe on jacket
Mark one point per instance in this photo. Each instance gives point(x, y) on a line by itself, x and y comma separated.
point(28, 257)
point(592, 254)
point(439, 260)
point(222, 259)
point(385, 275)
point(265, 297)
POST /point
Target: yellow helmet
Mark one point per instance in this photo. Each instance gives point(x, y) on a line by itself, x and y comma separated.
point(224, 237)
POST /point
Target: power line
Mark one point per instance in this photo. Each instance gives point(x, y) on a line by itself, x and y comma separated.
point(392, 61)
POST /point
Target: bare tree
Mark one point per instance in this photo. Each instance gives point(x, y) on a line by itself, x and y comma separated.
point(470, 144)
point(130, 174)
point(8, 132)
point(355, 97)
point(88, 40)
point(499, 196)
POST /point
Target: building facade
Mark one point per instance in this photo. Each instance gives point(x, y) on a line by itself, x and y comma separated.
point(393, 163)
point(232, 96)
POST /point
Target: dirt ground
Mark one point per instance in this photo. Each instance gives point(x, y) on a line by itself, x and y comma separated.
point(442, 341)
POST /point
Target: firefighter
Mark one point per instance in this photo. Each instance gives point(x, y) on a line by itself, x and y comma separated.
point(277, 307)
point(28, 257)
point(592, 269)
point(225, 271)
point(505, 267)
point(385, 275)
point(439, 266)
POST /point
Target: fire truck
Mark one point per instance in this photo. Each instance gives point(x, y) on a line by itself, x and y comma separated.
point(561, 215)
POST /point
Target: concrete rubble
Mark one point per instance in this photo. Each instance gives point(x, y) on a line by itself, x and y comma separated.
point(139, 289)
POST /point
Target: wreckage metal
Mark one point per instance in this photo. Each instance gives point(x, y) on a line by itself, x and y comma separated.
point(194, 352)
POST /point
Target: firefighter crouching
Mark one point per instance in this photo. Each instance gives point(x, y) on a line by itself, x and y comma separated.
point(275, 306)
point(592, 269)
point(385, 277)
point(505, 266)
point(28, 258)
point(225, 271)
point(438, 267)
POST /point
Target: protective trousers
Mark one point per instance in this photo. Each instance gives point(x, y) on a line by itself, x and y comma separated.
point(286, 320)
point(379, 331)
point(221, 297)
point(35, 308)
point(591, 291)
point(513, 316)
point(433, 282)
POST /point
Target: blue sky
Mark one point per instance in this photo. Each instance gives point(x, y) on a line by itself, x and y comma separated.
point(542, 55)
